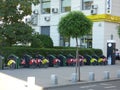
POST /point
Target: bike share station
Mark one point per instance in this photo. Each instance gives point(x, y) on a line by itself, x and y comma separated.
point(111, 46)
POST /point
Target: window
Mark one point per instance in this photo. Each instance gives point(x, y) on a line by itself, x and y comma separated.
point(65, 5)
point(62, 42)
point(86, 4)
point(45, 6)
point(45, 30)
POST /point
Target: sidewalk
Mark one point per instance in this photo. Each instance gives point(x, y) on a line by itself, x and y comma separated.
point(17, 79)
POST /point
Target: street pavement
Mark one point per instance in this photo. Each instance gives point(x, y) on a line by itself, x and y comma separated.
point(23, 78)
point(110, 85)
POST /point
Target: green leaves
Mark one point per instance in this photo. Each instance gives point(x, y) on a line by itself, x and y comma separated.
point(74, 24)
point(18, 32)
point(10, 9)
point(119, 30)
point(13, 29)
point(41, 41)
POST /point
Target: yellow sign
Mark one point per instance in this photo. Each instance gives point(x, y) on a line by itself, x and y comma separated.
point(104, 17)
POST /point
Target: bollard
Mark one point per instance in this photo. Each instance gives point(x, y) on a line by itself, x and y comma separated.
point(74, 77)
point(106, 75)
point(91, 76)
point(31, 83)
point(54, 79)
point(118, 74)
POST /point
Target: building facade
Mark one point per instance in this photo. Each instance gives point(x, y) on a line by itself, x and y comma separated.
point(105, 15)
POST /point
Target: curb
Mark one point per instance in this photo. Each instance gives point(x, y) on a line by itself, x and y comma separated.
point(79, 83)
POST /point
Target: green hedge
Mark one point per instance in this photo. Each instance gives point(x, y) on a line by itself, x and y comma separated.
point(20, 51)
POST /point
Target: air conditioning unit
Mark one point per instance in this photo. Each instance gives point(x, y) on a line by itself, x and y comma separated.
point(47, 18)
point(35, 11)
point(94, 11)
point(55, 10)
point(27, 20)
point(94, 6)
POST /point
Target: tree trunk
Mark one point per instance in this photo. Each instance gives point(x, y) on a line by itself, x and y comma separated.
point(77, 60)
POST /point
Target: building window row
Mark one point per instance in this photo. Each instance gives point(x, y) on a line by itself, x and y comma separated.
point(86, 4)
point(85, 41)
point(65, 5)
point(45, 6)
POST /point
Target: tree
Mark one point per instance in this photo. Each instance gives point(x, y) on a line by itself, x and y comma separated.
point(75, 24)
point(41, 41)
point(16, 33)
point(119, 31)
point(13, 29)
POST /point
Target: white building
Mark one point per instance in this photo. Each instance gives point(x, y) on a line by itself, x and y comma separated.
point(104, 13)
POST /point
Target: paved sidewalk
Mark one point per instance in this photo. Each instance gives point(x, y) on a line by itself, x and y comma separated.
point(17, 79)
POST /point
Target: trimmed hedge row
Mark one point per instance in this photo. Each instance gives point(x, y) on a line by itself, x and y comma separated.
point(20, 51)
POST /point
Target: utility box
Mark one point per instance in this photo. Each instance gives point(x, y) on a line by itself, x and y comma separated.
point(111, 51)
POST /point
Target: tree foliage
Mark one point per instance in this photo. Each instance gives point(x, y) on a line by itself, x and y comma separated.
point(13, 29)
point(12, 11)
point(119, 31)
point(74, 24)
point(41, 41)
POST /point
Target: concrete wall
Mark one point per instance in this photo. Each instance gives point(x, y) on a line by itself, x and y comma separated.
point(102, 32)
point(55, 35)
point(115, 7)
point(76, 5)
point(98, 35)
point(101, 6)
